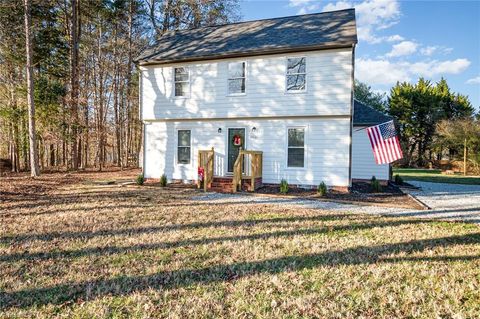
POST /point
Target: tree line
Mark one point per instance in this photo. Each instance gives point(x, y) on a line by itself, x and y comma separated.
point(78, 56)
point(432, 120)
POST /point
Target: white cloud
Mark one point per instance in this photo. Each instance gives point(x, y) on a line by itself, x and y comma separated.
point(403, 48)
point(340, 5)
point(475, 80)
point(394, 38)
point(304, 6)
point(379, 72)
point(385, 72)
point(372, 15)
point(429, 50)
point(381, 13)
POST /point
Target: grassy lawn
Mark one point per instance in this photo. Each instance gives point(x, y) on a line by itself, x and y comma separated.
point(82, 250)
point(435, 176)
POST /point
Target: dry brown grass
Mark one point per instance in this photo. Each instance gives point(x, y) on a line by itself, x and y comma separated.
point(78, 249)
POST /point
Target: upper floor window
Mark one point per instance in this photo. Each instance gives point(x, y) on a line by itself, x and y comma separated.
point(182, 81)
point(183, 147)
point(296, 147)
point(236, 78)
point(296, 74)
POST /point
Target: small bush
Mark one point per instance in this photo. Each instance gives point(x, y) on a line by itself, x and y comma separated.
point(398, 179)
point(140, 179)
point(375, 184)
point(283, 186)
point(163, 180)
point(322, 189)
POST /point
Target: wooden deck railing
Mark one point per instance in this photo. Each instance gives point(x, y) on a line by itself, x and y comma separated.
point(253, 171)
point(205, 160)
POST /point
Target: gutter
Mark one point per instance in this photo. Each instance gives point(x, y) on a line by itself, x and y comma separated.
point(143, 61)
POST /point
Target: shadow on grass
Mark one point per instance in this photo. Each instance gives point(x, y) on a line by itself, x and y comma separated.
point(123, 285)
point(79, 210)
point(110, 250)
point(164, 228)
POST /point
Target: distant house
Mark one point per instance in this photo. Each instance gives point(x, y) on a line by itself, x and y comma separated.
point(256, 102)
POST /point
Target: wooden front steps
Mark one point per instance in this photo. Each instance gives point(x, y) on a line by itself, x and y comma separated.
point(247, 172)
point(225, 184)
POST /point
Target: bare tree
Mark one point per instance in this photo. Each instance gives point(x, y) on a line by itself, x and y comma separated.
point(74, 82)
point(34, 170)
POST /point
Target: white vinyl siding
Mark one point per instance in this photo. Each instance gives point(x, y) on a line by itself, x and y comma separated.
point(328, 92)
point(363, 161)
point(326, 155)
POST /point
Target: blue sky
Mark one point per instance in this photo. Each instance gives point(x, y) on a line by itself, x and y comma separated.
point(402, 40)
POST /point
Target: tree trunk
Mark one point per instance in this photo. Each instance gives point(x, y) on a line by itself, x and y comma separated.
point(52, 155)
point(34, 171)
point(116, 106)
point(128, 113)
point(74, 42)
point(465, 157)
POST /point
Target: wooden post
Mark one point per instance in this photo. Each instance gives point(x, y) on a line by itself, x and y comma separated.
point(212, 168)
point(253, 172)
point(199, 183)
point(465, 157)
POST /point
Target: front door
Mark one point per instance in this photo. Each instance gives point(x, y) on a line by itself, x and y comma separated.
point(236, 140)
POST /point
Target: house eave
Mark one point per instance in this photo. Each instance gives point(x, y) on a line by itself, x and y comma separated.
point(229, 55)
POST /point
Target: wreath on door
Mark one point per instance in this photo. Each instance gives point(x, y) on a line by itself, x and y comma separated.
point(237, 140)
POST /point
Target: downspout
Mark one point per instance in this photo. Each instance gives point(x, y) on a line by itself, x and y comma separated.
point(351, 117)
point(140, 116)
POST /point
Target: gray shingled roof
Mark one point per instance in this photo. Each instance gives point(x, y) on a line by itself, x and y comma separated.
point(364, 115)
point(278, 35)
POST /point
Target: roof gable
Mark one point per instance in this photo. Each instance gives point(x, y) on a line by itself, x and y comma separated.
point(287, 34)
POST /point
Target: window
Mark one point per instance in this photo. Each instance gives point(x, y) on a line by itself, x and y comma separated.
point(236, 78)
point(182, 81)
point(183, 147)
point(296, 147)
point(296, 74)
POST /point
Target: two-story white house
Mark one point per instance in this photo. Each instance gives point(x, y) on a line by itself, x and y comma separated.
point(282, 87)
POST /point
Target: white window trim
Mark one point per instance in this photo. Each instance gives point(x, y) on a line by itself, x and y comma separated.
point(174, 82)
point(176, 147)
point(304, 167)
point(228, 78)
point(286, 75)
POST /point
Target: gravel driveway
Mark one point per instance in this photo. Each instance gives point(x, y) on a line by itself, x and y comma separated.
point(448, 202)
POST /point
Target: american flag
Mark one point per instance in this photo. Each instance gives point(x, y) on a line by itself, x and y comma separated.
point(385, 143)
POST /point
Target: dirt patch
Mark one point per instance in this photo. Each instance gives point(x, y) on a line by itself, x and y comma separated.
point(361, 193)
point(16, 186)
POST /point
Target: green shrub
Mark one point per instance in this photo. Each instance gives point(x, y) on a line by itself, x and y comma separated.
point(140, 179)
point(163, 180)
point(322, 189)
point(283, 186)
point(398, 179)
point(375, 184)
